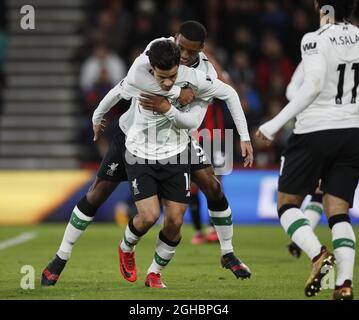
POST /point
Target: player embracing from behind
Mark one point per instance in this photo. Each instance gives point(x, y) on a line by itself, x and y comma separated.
point(324, 145)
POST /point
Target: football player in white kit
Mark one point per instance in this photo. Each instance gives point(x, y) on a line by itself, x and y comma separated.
point(324, 145)
point(190, 38)
point(168, 181)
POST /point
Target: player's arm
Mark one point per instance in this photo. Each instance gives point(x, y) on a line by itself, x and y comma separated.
point(209, 89)
point(314, 64)
point(112, 97)
point(191, 119)
point(296, 82)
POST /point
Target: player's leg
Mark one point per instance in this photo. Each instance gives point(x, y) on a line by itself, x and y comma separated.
point(339, 184)
point(194, 208)
point(298, 228)
point(111, 173)
point(313, 212)
point(314, 209)
point(148, 212)
point(174, 190)
point(343, 238)
point(221, 216)
point(300, 171)
point(167, 242)
point(81, 217)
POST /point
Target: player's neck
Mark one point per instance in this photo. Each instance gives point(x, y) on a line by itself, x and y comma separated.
point(326, 19)
point(195, 63)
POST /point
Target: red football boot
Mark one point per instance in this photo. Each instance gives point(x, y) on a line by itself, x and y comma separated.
point(127, 265)
point(153, 280)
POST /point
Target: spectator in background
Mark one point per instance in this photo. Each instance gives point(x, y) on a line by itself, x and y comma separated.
point(244, 40)
point(101, 59)
point(300, 24)
point(272, 61)
point(99, 73)
point(272, 16)
point(144, 23)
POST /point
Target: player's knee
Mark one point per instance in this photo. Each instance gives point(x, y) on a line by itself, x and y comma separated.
point(148, 217)
point(283, 208)
point(174, 223)
point(213, 190)
point(100, 191)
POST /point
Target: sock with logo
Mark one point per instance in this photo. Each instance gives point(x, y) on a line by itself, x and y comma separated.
point(81, 217)
point(298, 228)
point(313, 211)
point(165, 250)
point(221, 217)
point(130, 238)
point(343, 238)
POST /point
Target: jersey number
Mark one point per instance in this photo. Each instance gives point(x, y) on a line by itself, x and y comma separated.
point(341, 69)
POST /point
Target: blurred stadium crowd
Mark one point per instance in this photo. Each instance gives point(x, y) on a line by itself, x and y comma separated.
point(256, 42)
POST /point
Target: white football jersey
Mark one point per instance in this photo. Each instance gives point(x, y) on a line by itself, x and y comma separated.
point(332, 55)
point(153, 135)
point(156, 136)
point(201, 64)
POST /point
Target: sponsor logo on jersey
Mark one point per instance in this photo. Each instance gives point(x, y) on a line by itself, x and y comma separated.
point(113, 168)
point(310, 48)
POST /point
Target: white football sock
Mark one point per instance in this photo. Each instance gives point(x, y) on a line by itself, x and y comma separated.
point(76, 226)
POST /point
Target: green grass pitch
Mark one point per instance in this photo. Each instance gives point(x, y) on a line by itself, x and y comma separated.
point(194, 273)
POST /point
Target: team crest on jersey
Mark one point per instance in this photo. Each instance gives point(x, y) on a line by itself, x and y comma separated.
point(113, 168)
point(135, 187)
point(310, 48)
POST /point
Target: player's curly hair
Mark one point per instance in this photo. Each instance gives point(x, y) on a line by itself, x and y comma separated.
point(164, 55)
point(343, 8)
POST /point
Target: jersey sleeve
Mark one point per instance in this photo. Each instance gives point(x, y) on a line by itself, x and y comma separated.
point(112, 97)
point(296, 82)
point(313, 57)
point(209, 88)
point(191, 119)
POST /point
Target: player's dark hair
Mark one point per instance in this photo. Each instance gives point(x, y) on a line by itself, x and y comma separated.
point(164, 55)
point(193, 31)
point(343, 8)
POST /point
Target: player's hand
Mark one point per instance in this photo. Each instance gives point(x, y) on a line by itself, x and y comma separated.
point(247, 153)
point(154, 103)
point(186, 97)
point(261, 136)
point(98, 129)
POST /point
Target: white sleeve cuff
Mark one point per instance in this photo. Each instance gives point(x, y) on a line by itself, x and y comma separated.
point(175, 92)
point(171, 113)
point(266, 132)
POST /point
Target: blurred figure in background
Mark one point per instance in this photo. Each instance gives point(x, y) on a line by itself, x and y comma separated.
point(99, 73)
